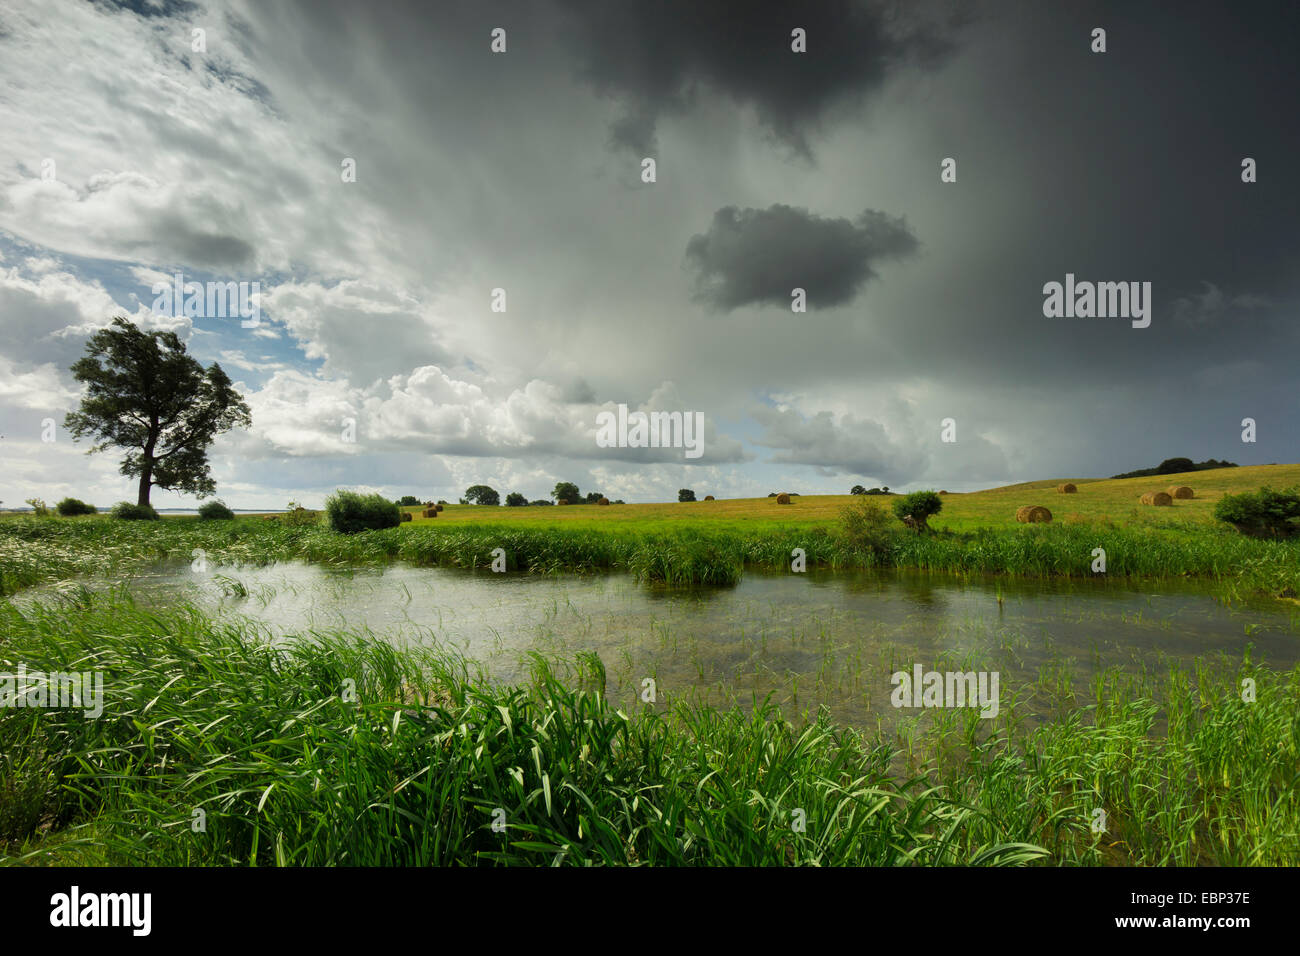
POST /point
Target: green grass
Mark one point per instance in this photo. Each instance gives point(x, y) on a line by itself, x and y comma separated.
point(34, 550)
point(289, 768)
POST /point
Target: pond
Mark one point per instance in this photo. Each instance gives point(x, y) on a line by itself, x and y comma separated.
point(819, 638)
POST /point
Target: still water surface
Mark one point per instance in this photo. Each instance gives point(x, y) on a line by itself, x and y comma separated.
point(831, 638)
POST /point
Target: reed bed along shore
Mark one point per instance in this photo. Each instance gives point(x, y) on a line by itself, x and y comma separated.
point(36, 550)
point(216, 747)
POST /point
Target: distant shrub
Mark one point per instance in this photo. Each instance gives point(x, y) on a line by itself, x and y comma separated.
point(39, 506)
point(215, 511)
point(1265, 513)
point(865, 526)
point(349, 512)
point(296, 516)
point(129, 512)
point(915, 510)
point(408, 501)
point(70, 507)
point(685, 494)
point(540, 501)
point(516, 500)
point(857, 490)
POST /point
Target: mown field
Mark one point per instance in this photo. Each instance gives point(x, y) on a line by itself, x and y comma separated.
point(1097, 500)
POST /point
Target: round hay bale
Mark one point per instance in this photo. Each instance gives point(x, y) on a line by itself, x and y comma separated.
point(430, 512)
point(783, 499)
point(562, 501)
point(602, 501)
point(943, 492)
point(407, 516)
point(1181, 491)
point(708, 497)
point(1158, 498)
point(438, 507)
point(1033, 514)
point(1066, 489)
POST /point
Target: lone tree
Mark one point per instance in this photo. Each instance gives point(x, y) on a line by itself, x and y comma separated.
point(565, 491)
point(916, 510)
point(482, 495)
point(144, 393)
point(685, 494)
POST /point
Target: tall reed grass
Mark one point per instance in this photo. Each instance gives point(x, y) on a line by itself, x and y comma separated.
point(341, 749)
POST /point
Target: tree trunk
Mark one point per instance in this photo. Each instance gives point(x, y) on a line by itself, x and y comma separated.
point(146, 468)
point(146, 483)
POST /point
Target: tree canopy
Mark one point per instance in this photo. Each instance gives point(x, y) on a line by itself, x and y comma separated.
point(146, 394)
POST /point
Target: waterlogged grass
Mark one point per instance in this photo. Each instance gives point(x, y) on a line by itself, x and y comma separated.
point(342, 749)
point(285, 766)
point(33, 550)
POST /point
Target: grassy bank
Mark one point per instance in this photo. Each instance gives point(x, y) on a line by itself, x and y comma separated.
point(343, 750)
point(36, 550)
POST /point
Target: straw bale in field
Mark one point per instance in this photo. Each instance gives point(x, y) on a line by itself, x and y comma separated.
point(1066, 489)
point(1033, 514)
point(1181, 491)
point(783, 499)
point(1158, 498)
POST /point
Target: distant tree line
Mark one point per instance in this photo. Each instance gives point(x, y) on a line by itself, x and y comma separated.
point(565, 491)
point(1175, 466)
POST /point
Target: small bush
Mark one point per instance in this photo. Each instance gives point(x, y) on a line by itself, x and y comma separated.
point(215, 511)
point(1265, 513)
point(296, 516)
point(685, 494)
point(865, 526)
point(915, 510)
point(129, 512)
point(349, 512)
point(39, 507)
point(70, 507)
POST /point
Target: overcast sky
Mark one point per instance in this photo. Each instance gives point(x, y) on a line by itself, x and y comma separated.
point(128, 156)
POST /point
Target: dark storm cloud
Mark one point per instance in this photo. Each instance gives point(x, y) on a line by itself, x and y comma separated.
point(653, 57)
point(757, 256)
